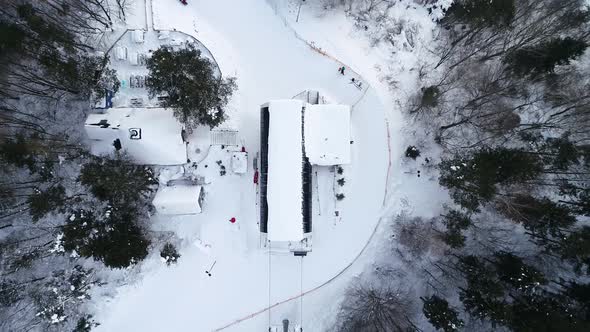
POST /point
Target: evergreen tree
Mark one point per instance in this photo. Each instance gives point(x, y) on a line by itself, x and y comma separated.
point(121, 242)
point(189, 80)
point(575, 248)
point(579, 197)
point(563, 152)
point(483, 12)
point(513, 271)
point(580, 293)
point(484, 296)
point(169, 254)
point(117, 180)
point(11, 39)
point(43, 202)
point(473, 180)
point(545, 312)
point(440, 315)
point(543, 58)
point(541, 217)
point(430, 96)
point(117, 240)
point(17, 152)
point(85, 324)
point(455, 222)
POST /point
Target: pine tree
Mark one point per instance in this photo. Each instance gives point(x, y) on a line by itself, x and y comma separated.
point(17, 152)
point(545, 312)
point(513, 271)
point(189, 80)
point(484, 296)
point(169, 254)
point(483, 12)
point(575, 248)
point(455, 222)
point(563, 152)
point(117, 180)
point(473, 180)
point(116, 240)
point(43, 202)
point(542, 217)
point(440, 315)
point(543, 58)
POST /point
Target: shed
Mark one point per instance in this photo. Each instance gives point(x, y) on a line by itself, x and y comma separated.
point(178, 200)
point(239, 162)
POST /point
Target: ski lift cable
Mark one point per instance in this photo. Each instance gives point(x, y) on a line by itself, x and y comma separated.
point(269, 280)
point(301, 292)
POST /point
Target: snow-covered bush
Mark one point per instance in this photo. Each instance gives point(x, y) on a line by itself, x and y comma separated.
point(169, 254)
point(412, 152)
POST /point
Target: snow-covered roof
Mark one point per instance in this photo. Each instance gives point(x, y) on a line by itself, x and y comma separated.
point(121, 53)
point(284, 191)
point(327, 134)
point(178, 199)
point(137, 36)
point(151, 136)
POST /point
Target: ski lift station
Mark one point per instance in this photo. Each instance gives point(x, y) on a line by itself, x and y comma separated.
point(296, 136)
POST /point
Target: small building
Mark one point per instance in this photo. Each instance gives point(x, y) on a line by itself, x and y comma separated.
point(150, 136)
point(239, 162)
point(137, 36)
point(120, 53)
point(178, 200)
point(294, 136)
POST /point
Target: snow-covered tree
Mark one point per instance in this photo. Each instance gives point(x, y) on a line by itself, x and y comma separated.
point(169, 254)
point(117, 180)
point(191, 84)
point(542, 58)
point(441, 315)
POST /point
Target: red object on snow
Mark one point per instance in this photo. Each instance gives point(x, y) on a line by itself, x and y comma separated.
point(232, 220)
point(256, 177)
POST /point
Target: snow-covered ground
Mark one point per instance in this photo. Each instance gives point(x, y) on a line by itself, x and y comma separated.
point(250, 40)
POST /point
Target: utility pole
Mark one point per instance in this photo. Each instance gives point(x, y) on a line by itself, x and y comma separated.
point(299, 10)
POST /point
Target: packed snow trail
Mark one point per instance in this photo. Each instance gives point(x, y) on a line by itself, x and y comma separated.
point(250, 42)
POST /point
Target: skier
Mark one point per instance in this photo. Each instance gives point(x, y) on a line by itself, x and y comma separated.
point(341, 70)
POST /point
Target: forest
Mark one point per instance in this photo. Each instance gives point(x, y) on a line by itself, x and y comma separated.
point(59, 204)
point(504, 112)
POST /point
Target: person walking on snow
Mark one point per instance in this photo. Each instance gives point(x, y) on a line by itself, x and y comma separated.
point(341, 70)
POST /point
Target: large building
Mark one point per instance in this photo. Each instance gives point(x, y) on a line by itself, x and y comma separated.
point(294, 136)
point(150, 136)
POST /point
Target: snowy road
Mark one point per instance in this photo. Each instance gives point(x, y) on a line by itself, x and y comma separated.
point(250, 42)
